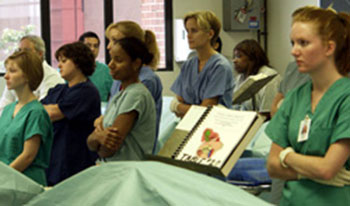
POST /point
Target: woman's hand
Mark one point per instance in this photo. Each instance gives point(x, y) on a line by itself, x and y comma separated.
point(109, 138)
point(54, 112)
point(174, 106)
point(98, 123)
point(274, 166)
point(321, 167)
point(30, 150)
point(308, 166)
point(341, 179)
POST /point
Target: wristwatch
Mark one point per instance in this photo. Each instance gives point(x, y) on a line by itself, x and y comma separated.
point(283, 155)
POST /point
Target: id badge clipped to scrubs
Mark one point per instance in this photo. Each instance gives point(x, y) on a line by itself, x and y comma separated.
point(304, 129)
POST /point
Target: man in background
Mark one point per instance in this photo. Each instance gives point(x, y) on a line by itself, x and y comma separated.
point(101, 77)
point(51, 76)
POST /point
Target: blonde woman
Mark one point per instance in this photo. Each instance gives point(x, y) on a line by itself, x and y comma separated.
point(207, 78)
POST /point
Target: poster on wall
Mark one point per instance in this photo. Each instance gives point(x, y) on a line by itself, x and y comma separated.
point(338, 5)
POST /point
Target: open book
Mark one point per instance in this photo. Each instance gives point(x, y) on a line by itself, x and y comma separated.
point(210, 139)
point(251, 86)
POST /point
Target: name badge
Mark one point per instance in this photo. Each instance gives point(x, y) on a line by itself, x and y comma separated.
point(304, 129)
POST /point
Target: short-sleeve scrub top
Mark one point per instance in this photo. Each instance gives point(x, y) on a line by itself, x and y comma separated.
point(32, 119)
point(330, 122)
point(215, 80)
point(140, 140)
point(80, 105)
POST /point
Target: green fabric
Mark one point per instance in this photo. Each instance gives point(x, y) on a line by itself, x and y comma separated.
point(102, 80)
point(329, 122)
point(140, 139)
point(143, 183)
point(16, 188)
point(32, 119)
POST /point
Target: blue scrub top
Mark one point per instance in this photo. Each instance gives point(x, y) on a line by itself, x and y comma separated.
point(215, 80)
point(80, 105)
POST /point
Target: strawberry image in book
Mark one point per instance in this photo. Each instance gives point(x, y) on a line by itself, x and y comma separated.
point(210, 144)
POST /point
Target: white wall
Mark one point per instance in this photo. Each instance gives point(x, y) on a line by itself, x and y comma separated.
point(279, 23)
point(279, 20)
point(2, 85)
point(182, 7)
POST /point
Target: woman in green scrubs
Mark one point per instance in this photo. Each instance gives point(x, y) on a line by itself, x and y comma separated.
point(311, 130)
point(26, 129)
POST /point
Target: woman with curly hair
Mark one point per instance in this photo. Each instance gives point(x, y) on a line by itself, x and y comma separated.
point(72, 107)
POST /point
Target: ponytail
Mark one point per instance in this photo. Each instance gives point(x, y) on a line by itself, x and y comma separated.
point(151, 43)
point(342, 61)
point(331, 26)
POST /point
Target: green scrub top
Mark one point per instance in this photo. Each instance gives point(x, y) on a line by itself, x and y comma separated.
point(330, 122)
point(102, 80)
point(32, 119)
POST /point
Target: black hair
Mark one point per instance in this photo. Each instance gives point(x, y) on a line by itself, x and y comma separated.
point(252, 49)
point(89, 34)
point(136, 49)
point(218, 40)
point(80, 54)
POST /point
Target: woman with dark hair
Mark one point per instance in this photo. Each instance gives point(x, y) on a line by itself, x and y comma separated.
point(72, 107)
point(127, 130)
point(26, 130)
point(147, 75)
point(250, 59)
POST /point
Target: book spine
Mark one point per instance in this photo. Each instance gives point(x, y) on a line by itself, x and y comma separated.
point(188, 136)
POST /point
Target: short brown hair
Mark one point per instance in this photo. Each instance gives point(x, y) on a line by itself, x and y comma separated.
point(80, 54)
point(207, 21)
point(31, 65)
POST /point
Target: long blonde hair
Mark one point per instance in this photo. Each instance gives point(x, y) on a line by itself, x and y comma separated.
point(132, 29)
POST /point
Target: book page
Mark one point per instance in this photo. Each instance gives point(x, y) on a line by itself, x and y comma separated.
point(258, 76)
point(216, 137)
point(191, 118)
point(181, 131)
point(250, 87)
